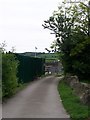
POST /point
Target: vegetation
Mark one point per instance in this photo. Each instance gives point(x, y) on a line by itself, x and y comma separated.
point(17, 70)
point(29, 68)
point(72, 104)
point(49, 57)
point(9, 74)
point(72, 37)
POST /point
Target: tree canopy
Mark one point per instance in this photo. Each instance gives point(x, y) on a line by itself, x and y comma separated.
point(70, 24)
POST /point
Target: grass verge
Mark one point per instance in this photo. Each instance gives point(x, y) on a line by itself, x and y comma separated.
point(72, 104)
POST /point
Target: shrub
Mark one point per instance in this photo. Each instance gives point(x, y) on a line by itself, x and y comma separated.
point(9, 74)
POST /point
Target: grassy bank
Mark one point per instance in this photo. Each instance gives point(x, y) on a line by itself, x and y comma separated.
point(72, 104)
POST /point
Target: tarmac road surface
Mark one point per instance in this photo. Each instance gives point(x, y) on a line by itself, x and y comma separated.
point(40, 99)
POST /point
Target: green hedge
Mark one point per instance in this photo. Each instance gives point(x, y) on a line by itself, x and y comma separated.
point(29, 68)
point(17, 69)
point(9, 74)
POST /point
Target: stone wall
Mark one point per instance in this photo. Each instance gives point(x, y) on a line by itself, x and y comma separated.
point(80, 89)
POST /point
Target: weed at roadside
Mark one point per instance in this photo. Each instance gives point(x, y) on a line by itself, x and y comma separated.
point(72, 104)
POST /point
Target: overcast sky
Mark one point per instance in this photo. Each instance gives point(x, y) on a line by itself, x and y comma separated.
point(21, 24)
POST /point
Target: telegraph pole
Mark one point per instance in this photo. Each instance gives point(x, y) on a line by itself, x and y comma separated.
point(35, 51)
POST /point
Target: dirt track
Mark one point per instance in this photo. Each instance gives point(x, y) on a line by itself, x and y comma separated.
point(39, 100)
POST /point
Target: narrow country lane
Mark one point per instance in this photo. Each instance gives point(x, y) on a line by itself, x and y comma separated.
point(39, 100)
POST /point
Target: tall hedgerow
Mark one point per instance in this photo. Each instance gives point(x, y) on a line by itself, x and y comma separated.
point(9, 74)
point(29, 68)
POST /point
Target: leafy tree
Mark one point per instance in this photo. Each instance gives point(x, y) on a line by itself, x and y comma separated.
point(72, 36)
point(3, 47)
